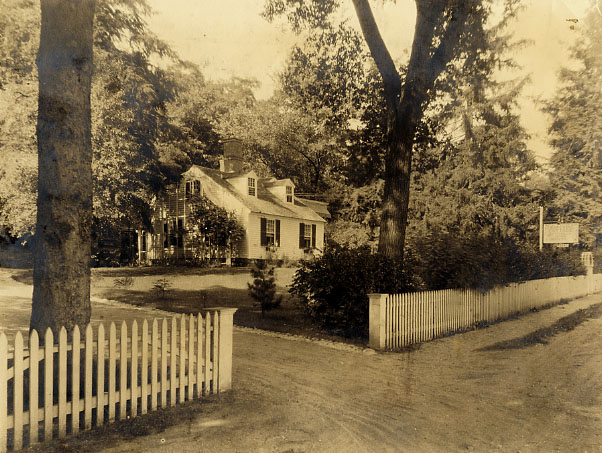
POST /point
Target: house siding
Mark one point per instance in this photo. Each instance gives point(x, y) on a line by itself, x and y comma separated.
point(289, 238)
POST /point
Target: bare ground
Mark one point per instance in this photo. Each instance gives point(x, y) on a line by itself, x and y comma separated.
point(532, 384)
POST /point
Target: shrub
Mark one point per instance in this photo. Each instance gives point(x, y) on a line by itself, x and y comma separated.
point(263, 288)
point(333, 289)
point(123, 282)
point(161, 287)
point(481, 261)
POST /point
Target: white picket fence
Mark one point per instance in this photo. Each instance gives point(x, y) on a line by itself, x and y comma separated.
point(50, 391)
point(400, 320)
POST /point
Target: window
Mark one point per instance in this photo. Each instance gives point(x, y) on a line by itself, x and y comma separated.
point(173, 241)
point(289, 194)
point(193, 187)
point(270, 232)
point(307, 235)
point(180, 233)
point(251, 182)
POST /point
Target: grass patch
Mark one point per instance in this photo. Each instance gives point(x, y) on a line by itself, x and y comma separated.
point(112, 434)
point(288, 318)
point(162, 271)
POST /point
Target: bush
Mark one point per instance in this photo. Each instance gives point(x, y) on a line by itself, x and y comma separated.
point(123, 282)
point(333, 289)
point(263, 289)
point(162, 287)
point(481, 261)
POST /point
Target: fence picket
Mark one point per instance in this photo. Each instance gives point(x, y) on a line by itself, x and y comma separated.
point(199, 357)
point(173, 363)
point(154, 348)
point(75, 369)
point(144, 369)
point(207, 388)
point(190, 354)
point(62, 421)
point(100, 377)
point(215, 355)
point(134, 372)
point(182, 381)
point(112, 370)
point(34, 361)
point(18, 392)
point(48, 383)
point(164, 383)
point(3, 392)
point(123, 370)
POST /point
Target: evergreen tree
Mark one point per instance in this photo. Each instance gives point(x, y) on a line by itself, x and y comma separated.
point(576, 132)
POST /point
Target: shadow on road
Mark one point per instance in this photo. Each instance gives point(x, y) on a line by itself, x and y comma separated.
point(541, 336)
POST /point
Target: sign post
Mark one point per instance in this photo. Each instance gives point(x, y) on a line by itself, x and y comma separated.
point(540, 228)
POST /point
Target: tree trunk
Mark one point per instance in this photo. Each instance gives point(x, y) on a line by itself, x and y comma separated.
point(61, 295)
point(405, 106)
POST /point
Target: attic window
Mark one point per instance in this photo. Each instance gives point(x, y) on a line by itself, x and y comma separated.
point(193, 187)
point(251, 184)
point(289, 194)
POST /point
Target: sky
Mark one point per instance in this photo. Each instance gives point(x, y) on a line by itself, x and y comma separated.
point(230, 38)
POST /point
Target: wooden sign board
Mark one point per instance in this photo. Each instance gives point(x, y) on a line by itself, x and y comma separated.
point(561, 233)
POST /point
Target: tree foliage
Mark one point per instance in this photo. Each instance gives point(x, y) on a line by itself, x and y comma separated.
point(212, 228)
point(448, 34)
point(576, 132)
point(263, 288)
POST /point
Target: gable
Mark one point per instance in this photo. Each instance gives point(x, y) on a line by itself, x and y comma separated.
point(216, 186)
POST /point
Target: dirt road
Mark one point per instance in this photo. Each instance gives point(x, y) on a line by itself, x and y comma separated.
point(495, 389)
point(450, 395)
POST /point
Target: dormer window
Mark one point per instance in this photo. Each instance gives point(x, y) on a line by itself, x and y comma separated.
point(289, 194)
point(252, 187)
point(193, 187)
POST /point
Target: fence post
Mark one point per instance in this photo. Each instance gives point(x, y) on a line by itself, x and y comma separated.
point(224, 356)
point(377, 327)
point(587, 259)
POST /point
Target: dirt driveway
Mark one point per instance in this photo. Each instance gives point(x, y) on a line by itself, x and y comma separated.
point(292, 395)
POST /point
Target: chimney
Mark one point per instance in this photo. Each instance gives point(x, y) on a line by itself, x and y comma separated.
point(232, 161)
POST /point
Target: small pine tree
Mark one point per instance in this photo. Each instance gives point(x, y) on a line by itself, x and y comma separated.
point(263, 289)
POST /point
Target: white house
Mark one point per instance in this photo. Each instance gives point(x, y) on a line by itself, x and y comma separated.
point(277, 224)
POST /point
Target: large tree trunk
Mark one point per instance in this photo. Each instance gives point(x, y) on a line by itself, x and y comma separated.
point(405, 105)
point(61, 295)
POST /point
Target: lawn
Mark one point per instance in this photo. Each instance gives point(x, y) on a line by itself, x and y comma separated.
point(193, 289)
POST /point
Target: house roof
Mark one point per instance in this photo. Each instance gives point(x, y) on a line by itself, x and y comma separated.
point(319, 206)
point(264, 203)
point(273, 182)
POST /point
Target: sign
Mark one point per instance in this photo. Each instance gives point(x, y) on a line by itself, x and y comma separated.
point(561, 233)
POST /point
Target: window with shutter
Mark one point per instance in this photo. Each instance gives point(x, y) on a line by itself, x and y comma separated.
point(270, 232)
point(313, 236)
point(305, 230)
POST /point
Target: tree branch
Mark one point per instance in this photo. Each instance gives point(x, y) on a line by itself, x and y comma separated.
point(449, 41)
point(379, 52)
